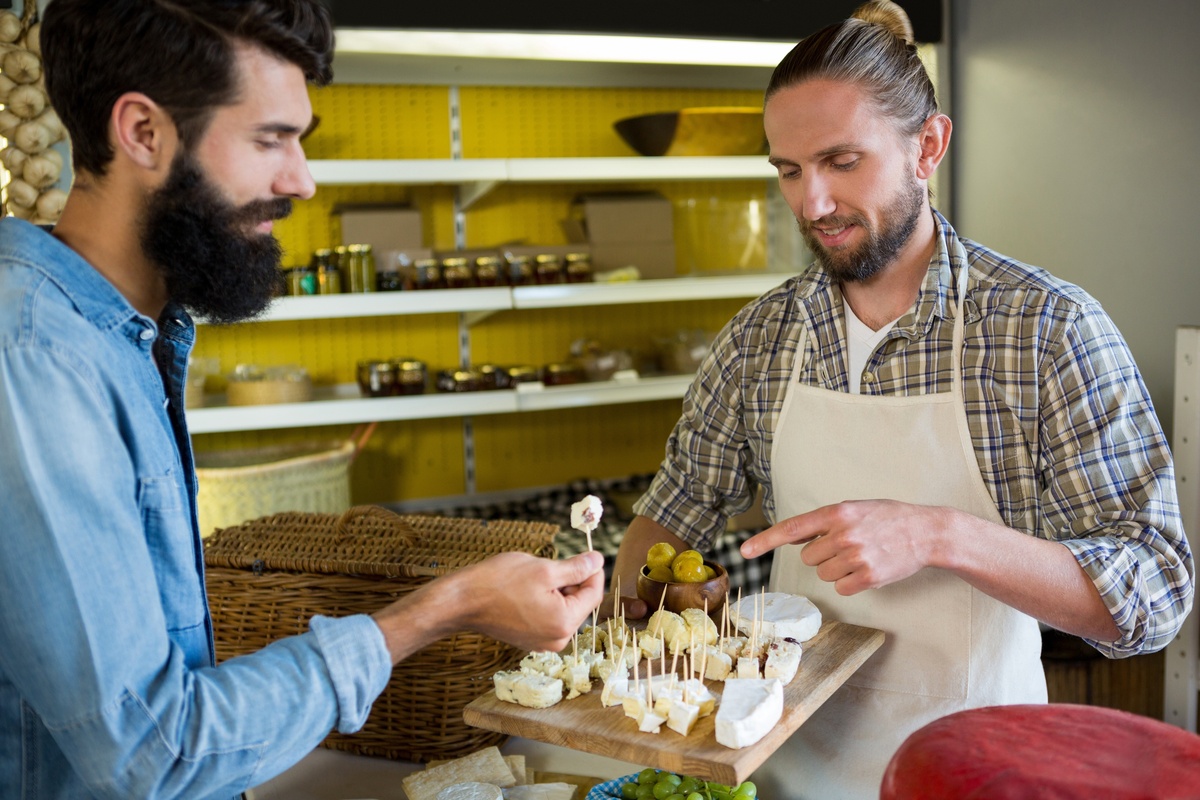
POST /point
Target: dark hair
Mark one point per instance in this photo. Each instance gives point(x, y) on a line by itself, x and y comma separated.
point(179, 53)
point(873, 49)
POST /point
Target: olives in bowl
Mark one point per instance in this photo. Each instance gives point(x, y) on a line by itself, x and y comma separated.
point(710, 593)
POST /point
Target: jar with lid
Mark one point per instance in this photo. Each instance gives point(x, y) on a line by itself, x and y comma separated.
point(329, 277)
point(389, 277)
point(522, 373)
point(361, 268)
point(458, 380)
point(456, 273)
point(427, 274)
point(562, 374)
point(492, 376)
point(579, 267)
point(488, 271)
point(411, 376)
point(548, 269)
point(376, 378)
point(519, 270)
point(302, 280)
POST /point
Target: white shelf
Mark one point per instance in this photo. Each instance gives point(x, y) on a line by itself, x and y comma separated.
point(651, 291)
point(482, 301)
point(342, 172)
point(343, 404)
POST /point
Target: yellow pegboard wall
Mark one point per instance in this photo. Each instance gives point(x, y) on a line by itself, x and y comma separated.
point(380, 122)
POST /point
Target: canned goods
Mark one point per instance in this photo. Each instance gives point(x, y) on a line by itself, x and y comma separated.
point(427, 274)
point(411, 376)
point(579, 267)
point(488, 271)
point(519, 271)
point(548, 269)
point(456, 274)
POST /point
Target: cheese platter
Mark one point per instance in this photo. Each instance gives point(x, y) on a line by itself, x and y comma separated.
point(584, 723)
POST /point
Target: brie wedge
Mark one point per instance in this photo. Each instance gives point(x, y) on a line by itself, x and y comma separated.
point(749, 709)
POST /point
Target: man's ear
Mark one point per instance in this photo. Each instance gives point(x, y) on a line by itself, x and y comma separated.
point(143, 132)
point(933, 141)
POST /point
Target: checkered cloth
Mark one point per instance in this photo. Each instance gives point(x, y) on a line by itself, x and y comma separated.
point(554, 506)
point(610, 790)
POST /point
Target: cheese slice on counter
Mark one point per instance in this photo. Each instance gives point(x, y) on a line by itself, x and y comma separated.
point(784, 616)
point(529, 689)
point(750, 708)
point(471, 790)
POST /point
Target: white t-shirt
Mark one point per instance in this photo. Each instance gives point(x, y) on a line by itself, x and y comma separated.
point(860, 343)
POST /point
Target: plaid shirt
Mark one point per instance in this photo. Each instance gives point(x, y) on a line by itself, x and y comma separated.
point(1063, 428)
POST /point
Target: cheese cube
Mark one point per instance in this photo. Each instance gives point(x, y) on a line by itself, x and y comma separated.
point(747, 667)
point(537, 691)
point(681, 716)
point(783, 659)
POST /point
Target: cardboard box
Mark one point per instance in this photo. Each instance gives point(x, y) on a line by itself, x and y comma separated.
point(624, 229)
point(383, 227)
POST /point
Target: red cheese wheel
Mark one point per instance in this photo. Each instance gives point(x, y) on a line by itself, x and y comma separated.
point(1051, 752)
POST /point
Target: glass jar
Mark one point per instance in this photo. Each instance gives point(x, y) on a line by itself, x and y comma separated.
point(302, 280)
point(361, 269)
point(562, 374)
point(376, 378)
point(458, 380)
point(456, 274)
point(411, 376)
point(492, 376)
point(579, 267)
point(427, 274)
point(548, 269)
point(488, 271)
point(519, 271)
point(329, 277)
point(522, 373)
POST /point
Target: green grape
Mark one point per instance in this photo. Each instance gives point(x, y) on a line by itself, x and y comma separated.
point(663, 789)
point(690, 785)
point(671, 778)
point(720, 794)
point(629, 791)
point(676, 796)
point(747, 790)
point(713, 786)
point(694, 796)
point(648, 775)
point(645, 791)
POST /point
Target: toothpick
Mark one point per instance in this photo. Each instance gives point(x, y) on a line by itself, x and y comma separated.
point(588, 533)
point(575, 647)
point(737, 623)
point(593, 630)
point(704, 655)
point(635, 658)
point(616, 596)
point(674, 662)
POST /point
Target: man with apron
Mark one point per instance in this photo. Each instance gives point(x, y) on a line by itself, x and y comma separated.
point(953, 446)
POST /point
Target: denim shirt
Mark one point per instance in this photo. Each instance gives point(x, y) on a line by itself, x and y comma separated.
point(107, 680)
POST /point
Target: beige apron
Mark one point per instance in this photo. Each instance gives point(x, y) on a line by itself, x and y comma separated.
point(948, 646)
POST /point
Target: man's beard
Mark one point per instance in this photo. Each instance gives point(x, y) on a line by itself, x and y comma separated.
point(881, 246)
point(213, 262)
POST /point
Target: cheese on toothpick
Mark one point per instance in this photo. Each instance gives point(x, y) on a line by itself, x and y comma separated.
point(585, 516)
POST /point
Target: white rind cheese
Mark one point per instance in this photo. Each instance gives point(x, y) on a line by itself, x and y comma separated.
point(586, 514)
point(749, 709)
point(784, 616)
point(529, 689)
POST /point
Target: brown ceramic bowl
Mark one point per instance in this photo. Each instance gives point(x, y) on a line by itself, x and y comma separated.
point(714, 131)
point(685, 595)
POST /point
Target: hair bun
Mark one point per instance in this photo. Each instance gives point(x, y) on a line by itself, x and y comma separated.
point(889, 15)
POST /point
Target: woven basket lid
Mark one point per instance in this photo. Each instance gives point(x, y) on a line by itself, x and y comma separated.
point(370, 540)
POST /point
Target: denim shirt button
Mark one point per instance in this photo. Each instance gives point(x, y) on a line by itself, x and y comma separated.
point(146, 335)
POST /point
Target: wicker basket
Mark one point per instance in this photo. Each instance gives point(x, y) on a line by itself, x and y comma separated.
point(268, 577)
point(239, 485)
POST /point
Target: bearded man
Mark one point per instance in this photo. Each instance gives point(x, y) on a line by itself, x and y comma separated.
point(952, 446)
point(185, 119)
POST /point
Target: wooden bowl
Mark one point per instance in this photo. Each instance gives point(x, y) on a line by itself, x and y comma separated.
point(715, 131)
point(685, 595)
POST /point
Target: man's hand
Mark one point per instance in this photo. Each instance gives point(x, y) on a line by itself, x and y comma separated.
point(861, 544)
point(529, 602)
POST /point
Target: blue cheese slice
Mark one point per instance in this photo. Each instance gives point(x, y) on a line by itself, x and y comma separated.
point(750, 708)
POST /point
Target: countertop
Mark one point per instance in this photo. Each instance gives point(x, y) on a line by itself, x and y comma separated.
point(334, 775)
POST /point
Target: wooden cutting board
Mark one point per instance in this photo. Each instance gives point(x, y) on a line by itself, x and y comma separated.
point(830, 658)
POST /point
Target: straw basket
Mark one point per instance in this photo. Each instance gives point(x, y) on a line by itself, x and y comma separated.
point(238, 485)
point(268, 577)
